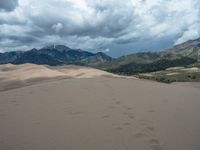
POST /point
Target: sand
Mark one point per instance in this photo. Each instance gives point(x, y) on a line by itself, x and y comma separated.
point(81, 72)
point(100, 113)
point(188, 84)
point(16, 76)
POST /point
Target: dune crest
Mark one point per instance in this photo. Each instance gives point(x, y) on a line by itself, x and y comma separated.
point(81, 72)
point(26, 72)
point(14, 76)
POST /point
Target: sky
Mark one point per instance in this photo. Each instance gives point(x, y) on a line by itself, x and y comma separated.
point(116, 27)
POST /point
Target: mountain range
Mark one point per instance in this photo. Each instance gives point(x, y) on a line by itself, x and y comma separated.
point(184, 54)
point(54, 55)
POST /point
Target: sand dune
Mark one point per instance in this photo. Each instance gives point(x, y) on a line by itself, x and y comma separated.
point(81, 72)
point(93, 110)
point(14, 76)
point(100, 114)
point(26, 71)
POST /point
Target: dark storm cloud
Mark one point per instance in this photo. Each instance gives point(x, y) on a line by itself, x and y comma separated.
point(8, 5)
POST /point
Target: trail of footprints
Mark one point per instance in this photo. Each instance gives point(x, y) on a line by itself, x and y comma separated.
point(128, 113)
point(147, 133)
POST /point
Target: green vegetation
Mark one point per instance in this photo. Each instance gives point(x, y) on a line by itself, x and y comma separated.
point(179, 74)
point(138, 58)
point(156, 63)
point(134, 68)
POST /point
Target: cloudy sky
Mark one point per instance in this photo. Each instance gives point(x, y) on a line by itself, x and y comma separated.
point(117, 27)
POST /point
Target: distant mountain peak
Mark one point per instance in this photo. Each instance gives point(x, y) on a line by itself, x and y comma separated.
point(34, 49)
point(60, 48)
point(100, 53)
point(54, 55)
point(103, 55)
point(57, 47)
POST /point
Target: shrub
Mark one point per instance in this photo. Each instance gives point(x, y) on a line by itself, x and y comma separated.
point(194, 77)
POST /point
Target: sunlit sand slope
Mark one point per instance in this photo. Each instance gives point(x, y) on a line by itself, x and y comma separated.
point(103, 113)
point(14, 76)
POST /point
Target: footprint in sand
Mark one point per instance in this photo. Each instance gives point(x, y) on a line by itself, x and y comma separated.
point(119, 128)
point(151, 111)
point(152, 129)
point(75, 113)
point(128, 113)
point(131, 117)
point(126, 124)
point(68, 112)
point(146, 125)
point(118, 103)
point(128, 108)
point(105, 116)
point(153, 141)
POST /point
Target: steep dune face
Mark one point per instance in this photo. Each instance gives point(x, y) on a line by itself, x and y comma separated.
point(13, 76)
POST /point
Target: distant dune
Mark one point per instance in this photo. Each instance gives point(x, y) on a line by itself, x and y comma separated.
point(26, 72)
point(73, 71)
point(14, 76)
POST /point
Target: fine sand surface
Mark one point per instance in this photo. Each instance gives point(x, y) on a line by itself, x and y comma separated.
point(101, 113)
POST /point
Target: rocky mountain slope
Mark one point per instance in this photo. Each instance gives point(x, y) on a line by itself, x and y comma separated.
point(180, 55)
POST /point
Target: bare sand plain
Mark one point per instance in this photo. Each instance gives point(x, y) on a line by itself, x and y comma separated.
point(97, 113)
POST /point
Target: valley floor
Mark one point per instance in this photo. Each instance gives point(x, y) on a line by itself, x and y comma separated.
point(100, 113)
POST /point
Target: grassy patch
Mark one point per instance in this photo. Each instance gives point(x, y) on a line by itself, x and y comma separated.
point(173, 75)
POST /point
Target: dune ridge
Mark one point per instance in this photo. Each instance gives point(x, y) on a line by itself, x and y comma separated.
point(15, 76)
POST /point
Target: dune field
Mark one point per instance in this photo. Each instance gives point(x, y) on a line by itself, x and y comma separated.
point(77, 108)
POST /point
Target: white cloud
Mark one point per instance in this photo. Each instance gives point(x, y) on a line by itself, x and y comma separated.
point(57, 27)
point(106, 50)
point(97, 24)
point(192, 33)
